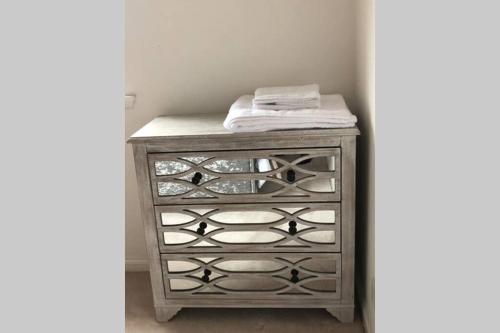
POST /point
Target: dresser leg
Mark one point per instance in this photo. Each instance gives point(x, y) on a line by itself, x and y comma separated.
point(344, 315)
point(164, 314)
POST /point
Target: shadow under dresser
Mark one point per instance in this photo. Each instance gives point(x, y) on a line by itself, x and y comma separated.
point(247, 219)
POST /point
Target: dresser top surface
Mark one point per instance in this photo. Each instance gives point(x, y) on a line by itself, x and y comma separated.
point(210, 125)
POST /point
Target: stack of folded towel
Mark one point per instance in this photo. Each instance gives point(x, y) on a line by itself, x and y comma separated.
point(287, 98)
point(288, 108)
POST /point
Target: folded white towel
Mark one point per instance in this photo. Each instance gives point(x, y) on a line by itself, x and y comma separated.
point(293, 92)
point(288, 105)
point(333, 113)
point(287, 98)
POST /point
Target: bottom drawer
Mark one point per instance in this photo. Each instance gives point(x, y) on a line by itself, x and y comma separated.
point(252, 275)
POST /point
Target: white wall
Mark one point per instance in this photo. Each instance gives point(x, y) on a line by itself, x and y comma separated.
point(197, 56)
point(365, 108)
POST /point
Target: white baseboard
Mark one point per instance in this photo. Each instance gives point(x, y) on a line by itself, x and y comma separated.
point(136, 265)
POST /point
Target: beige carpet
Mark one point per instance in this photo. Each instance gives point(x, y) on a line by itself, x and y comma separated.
point(139, 316)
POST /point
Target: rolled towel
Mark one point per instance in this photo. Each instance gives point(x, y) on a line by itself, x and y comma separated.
point(287, 98)
point(333, 113)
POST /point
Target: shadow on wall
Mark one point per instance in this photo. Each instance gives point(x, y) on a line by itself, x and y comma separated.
point(365, 218)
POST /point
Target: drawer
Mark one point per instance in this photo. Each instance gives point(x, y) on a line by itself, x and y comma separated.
point(290, 175)
point(299, 227)
point(252, 275)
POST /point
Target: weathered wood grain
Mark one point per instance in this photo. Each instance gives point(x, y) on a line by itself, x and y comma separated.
point(348, 220)
point(343, 314)
point(164, 313)
point(196, 134)
point(205, 126)
point(149, 222)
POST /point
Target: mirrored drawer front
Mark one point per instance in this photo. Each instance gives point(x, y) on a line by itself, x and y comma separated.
point(252, 275)
point(249, 227)
point(229, 176)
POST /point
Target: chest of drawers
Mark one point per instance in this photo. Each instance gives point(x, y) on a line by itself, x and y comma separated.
point(247, 219)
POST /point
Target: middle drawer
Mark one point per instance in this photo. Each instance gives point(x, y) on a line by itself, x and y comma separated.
point(289, 227)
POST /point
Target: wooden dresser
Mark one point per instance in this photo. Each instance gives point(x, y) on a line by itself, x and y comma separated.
point(247, 219)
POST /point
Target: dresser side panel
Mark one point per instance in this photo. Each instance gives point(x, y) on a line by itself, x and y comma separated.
point(348, 217)
point(149, 221)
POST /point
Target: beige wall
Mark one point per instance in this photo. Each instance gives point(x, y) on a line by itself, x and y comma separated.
point(194, 56)
point(365, 107)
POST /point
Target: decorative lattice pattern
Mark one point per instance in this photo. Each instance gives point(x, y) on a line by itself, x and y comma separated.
point(253, 275)
point(234, 176)
point(249, 227)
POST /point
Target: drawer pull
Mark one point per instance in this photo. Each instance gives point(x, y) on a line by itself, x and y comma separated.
point(292, 227)
point(290, 176)
point(196, 178)
point(294, 277)
point(206, 276)
point(201, 228)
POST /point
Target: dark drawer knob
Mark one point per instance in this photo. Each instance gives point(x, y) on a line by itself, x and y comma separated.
point(196, 178)
point(292, 227)
point(294, 277)
point(201, 228)
point(290, 176)
point(206, 276)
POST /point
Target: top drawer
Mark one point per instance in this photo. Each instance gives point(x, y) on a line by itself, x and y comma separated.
point(285, 175)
